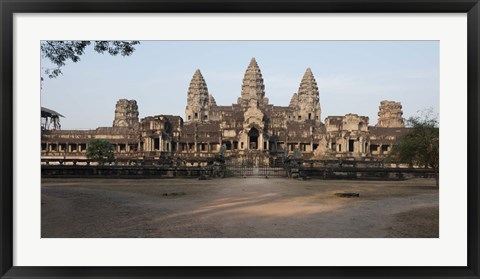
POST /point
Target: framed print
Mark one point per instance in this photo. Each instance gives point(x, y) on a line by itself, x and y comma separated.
point(307, 142)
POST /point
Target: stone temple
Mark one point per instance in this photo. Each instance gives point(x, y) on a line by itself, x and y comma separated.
point(250, 126)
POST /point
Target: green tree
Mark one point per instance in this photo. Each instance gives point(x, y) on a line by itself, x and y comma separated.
point(420, 147)
point(100, 150)
point(59, 52)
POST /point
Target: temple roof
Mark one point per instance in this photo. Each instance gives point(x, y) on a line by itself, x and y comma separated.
point(388, 132)
point(334, 120)
point(300, 131)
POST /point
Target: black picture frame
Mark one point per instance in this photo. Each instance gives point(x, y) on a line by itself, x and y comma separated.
point(9, 7)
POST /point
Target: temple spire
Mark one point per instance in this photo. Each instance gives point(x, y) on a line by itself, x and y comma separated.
point(198, 91)
point(390, 115)
point(198, 98)
point(253, 63)
point(308, 86)
point(307, 102)
point(126, 114)
point(253, 87)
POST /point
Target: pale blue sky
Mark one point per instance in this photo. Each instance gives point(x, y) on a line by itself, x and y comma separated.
point(352, 77)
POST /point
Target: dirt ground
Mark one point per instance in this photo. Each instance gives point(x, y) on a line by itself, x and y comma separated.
point(238, 208)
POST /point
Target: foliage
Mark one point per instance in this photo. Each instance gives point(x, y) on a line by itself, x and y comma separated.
point(58, 52)
point(297, 154)
point(420, 147)
point(100, 150)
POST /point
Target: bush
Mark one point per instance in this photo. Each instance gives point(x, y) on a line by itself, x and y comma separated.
point(100, 151)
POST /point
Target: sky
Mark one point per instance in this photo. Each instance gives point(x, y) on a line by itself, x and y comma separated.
point(352, 77)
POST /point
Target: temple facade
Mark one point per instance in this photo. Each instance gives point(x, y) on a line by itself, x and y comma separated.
point(251, 125)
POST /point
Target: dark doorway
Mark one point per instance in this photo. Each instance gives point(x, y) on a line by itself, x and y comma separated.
point(253, 138)
point(350, 145)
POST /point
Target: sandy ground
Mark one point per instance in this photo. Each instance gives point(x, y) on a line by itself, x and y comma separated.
point(238, 207)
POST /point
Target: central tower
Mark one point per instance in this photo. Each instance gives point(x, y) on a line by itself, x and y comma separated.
point(253, 87)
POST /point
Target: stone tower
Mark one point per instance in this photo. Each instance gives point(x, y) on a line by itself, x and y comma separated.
point(306, 104)
point(211, 101)
point(390, 115)
point(294, 101)
point(253, 87)
point(126, 114)
point(198, 101)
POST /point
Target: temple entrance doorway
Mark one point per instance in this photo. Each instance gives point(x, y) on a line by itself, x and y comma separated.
point(253, 138)
point(255, 164)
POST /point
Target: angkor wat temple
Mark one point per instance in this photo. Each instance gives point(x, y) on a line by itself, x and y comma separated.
point(251, 126)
